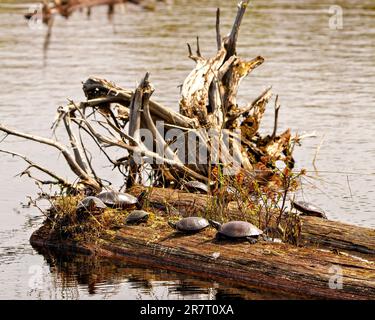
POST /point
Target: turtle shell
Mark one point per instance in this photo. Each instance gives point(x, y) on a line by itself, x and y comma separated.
point(191, 224)
point(196, 186)
point(239, 229)
point(308, 209)
point(117, 199)
point(91, 204)
point(137, 216)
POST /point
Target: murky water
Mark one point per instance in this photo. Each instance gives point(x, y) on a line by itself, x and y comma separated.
point(325, 79)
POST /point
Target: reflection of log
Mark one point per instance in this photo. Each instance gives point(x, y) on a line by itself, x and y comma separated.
point(92, 271)
point(306, 272)
point(66, 7)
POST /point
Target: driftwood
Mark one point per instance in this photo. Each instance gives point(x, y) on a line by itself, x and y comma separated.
point(337, 262)
point(302, 272)
point(228, 134)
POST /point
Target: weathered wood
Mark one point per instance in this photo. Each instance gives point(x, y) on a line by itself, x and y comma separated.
point(337, 235)
point(305, 272)
point(93, 86)
point(71, 161)
point(135, 111)
point(315, 231)
point(209, 113)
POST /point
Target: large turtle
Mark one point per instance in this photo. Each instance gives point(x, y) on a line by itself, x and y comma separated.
point(91, 204)
point(308, 209)
point(189, 224)
point(137, 216)
point(115, 199)
point(237, 230)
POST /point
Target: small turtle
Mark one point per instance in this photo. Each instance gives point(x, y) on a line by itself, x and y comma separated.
point(137, 216)
point(196, 186)
point(237, 230)
point(91, 204)
point(115, 199)
point(308, 209)
point(190, 224)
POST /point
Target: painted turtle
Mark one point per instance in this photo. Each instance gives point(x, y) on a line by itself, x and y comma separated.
point(308, 209)
point(237, 230)
point(137, 216)
point(91, 204)
point(115, 199)
point(196, 186)
point(190, 224)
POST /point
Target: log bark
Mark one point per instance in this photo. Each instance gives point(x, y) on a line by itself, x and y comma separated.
point(315, 232)
point(337, 235)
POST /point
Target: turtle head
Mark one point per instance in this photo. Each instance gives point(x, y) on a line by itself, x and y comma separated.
point(214, 224)
point(172, 224)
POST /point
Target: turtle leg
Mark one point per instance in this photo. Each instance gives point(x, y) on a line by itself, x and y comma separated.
point(252, 240)
point(219, 236)
point(144, 219)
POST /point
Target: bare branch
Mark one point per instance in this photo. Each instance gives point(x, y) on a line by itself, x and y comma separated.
point(124, 97)
point(59, 180)
point(86, 179)
point(231, 42)
point(218, 35)
point(198, 48)
point(277, 108)
point(73, 141)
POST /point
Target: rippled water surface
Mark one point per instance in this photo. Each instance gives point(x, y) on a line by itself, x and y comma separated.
point(324, 77)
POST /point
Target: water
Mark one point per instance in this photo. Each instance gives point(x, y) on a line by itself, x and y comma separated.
point(325, 79)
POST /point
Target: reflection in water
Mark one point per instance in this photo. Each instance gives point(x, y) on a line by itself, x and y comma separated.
point(77, 274)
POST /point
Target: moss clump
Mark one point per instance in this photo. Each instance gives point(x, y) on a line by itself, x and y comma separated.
point(66, 223)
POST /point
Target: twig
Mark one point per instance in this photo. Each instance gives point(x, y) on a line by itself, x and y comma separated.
point(74, 166)
point(218, 35)
point(198, 48)
point(317, 151)
point(277, 108)
point(350, 190)
point(59, 180)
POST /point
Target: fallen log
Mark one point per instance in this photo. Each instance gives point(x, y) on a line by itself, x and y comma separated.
point(314, 232)
point(306, 272)
point(336, 235)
